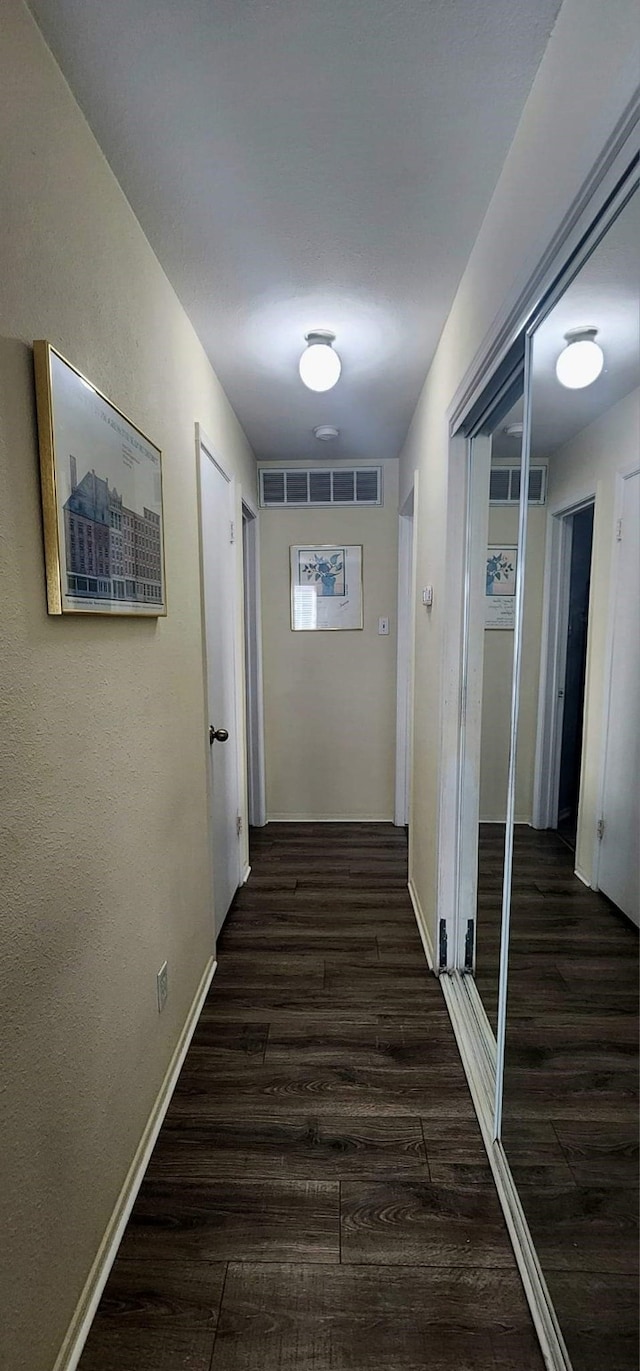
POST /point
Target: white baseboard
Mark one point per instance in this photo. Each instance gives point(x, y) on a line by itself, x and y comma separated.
point(78, 1330)
point(477, 1050)
point(521, 823)
point(330, 818)
point(246, 874)
point(583, 878)
point(423, 927)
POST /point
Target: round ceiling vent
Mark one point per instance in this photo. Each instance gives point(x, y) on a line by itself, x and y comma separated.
point(325, 433)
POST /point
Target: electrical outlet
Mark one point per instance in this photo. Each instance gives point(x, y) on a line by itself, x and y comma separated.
point(162, 980)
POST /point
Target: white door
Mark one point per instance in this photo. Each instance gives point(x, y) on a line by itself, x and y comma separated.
point(219, 561)
point(619, 867)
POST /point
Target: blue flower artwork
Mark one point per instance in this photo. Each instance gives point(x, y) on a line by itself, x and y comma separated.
point(323, 568)
point(500, 573)
point(326, 587)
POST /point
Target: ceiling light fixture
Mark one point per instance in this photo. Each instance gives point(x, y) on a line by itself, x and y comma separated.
point(514, 430)
point(325, 433)
point(320, 366)
point(581, 361)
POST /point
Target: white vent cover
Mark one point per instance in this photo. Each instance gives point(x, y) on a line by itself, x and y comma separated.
point(320, 486)
point(504, 485)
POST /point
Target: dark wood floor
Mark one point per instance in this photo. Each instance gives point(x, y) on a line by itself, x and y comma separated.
point(319, 1198)
point(571, 1088)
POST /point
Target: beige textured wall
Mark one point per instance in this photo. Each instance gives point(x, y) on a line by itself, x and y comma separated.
point(564, 127)
point(498, 675)
point(103, 843)
point(588, 466)
point(330, 698)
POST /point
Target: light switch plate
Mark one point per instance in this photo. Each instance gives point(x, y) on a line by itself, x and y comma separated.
point(162, 985)
point(383, 626)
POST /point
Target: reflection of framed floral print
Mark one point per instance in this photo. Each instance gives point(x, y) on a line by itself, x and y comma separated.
point(500, 589)
point(101, 499)
point(326, 587)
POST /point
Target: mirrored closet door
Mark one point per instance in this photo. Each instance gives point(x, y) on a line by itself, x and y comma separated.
point(569, 1107)
point(549, 804)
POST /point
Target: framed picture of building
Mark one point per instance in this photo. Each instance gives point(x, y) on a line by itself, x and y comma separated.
point(101, 498)
point(326, 587)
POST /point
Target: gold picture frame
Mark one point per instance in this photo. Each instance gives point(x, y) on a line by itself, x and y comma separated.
point(326, 587)
point(102, 502)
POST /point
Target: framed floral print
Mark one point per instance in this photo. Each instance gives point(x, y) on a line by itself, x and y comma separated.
point(326, 587)
point(500, 588)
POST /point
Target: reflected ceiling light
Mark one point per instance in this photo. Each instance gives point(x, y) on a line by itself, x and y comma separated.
point(325, 433)
point(581, 362)
point(514, 430)
point(320, 366)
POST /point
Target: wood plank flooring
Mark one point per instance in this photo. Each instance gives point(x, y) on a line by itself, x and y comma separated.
point(319, 1198)
point(571, 1090)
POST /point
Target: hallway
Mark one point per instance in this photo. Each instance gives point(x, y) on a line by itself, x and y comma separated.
point(319, 1196)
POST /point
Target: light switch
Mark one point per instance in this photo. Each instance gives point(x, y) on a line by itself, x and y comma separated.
point(427, 596)
point(383, 625)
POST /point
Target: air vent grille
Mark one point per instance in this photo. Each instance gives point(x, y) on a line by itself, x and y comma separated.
point(272, 487)
point(320, 486)
point(297, 487)
point(343, 482)
point(504, 485)
point(367, 483)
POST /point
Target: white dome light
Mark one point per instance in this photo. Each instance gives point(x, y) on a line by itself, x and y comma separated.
point(581, 362)
point(320, 366)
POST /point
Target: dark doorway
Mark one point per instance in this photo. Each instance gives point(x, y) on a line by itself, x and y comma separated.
point(576, 662)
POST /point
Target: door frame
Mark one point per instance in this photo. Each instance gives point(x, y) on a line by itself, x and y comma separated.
point(252, 605)
point(553, 655)
point(624, 474)
point(205, 448)
point(405, 659)
point(477, 509)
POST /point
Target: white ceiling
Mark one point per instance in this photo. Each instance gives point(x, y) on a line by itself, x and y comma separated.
point(307, 163)
point(605, 294)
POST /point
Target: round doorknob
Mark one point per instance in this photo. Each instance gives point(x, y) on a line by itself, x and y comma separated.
point(217, 735)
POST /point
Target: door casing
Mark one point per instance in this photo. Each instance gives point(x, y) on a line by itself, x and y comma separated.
point(555, 615)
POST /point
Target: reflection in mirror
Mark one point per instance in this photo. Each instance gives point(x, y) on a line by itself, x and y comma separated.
point(496, 715)
point(570, 1095)
point(499, 573)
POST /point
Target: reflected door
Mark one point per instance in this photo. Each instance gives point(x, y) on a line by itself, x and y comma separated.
point(575, 670)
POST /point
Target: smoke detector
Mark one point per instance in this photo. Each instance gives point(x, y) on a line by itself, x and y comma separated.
point(325, 433)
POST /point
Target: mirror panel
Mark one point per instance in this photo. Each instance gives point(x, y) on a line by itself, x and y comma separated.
point(570, 1105)
point(500, 571)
